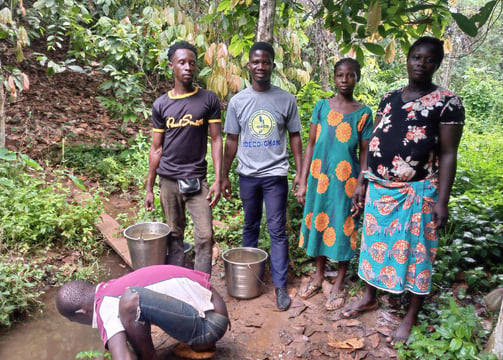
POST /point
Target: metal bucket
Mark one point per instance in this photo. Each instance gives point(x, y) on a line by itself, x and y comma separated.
point(244, 269)
point(147, 243)
point(187, 248)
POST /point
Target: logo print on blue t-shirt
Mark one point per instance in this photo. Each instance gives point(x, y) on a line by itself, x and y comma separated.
point(261, 124)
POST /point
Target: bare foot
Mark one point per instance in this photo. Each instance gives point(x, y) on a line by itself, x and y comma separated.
point(401, 334)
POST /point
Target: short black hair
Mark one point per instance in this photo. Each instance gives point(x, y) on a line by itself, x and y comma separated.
point(181, 45)
point(262, 45)
point(73, 295)
point(436, 44)
point(352, 62)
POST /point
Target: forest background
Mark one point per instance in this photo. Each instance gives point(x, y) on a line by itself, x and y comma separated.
point(123, 44)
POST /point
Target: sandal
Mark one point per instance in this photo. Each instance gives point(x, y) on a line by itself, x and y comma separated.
point(184, 351)
point(351, 313)
point(335, 300)
point(310, 291)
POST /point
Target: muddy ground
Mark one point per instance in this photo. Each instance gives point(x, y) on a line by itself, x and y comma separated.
point(64, 106)
point(305, 331)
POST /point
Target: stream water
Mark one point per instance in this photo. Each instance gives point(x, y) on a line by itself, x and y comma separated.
point(50, 336)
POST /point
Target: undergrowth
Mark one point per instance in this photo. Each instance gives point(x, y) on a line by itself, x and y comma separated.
point(450, 332)
point(40, 216)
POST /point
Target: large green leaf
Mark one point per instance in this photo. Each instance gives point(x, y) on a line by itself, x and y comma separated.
point(466, 25)
point(484, 13)
point(374, 48)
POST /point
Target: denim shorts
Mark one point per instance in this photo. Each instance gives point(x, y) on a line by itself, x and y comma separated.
point(179, 319)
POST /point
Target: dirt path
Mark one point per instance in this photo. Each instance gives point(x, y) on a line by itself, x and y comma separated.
point(305, 331)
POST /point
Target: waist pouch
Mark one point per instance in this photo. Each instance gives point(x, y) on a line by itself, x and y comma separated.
point(189, 186)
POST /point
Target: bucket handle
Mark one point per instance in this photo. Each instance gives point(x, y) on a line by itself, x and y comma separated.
point(254, 274)
point(151, 219)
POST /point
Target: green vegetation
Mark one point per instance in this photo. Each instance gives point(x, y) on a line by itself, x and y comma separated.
point(39, 218)
point(19, 283)
point(457, 334)
point(473, 240)
point(94, 355)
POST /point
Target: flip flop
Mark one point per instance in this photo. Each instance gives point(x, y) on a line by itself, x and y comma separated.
point(355, 312)
point(310, 291)
point(184, 351)
point(335, 300)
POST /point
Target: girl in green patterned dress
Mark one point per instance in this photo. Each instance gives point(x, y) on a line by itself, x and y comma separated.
point(330, 177)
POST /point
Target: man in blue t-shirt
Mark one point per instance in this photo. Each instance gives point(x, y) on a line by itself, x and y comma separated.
point(257, 121)
point(181, 119)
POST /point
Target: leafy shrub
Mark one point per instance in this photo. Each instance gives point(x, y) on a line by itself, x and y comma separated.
point(114, 167)
point(35, 214)
point(98, 163)
point(38, 215)
point(482, 95)
point(307, 97)
point(457, 334)
point(473, 238)
point(19, 290)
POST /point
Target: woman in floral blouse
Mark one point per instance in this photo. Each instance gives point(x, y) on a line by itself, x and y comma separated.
point(411, 168)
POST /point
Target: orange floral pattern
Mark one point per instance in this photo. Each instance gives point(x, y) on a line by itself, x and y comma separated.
point(350, 186)
point(318, 132)
point(361, 122)
point(334, 118)
point(400, 245)
point(343, 132)
point(353, 241)
point(301, 239)
point(308, 220)
point(322, 184)
point(349, 226)
point(315, 168)
point(329, 236)
point(343, 170)
point(321, 221)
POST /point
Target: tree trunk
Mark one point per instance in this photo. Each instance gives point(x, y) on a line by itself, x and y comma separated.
point(2, 115)
point(266, 20)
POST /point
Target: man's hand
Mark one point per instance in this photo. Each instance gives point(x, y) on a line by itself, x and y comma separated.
point(301, 193)
point(214, 194)
point(295, 184)
point(226, 189)
point(149, 201)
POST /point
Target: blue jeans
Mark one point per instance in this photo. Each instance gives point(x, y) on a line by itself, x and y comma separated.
point(179, 319)
point(272, 190)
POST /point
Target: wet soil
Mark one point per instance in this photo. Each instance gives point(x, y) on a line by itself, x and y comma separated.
point(305, 331)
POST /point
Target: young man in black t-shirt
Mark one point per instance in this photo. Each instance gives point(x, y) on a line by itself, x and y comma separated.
point(181, 119)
